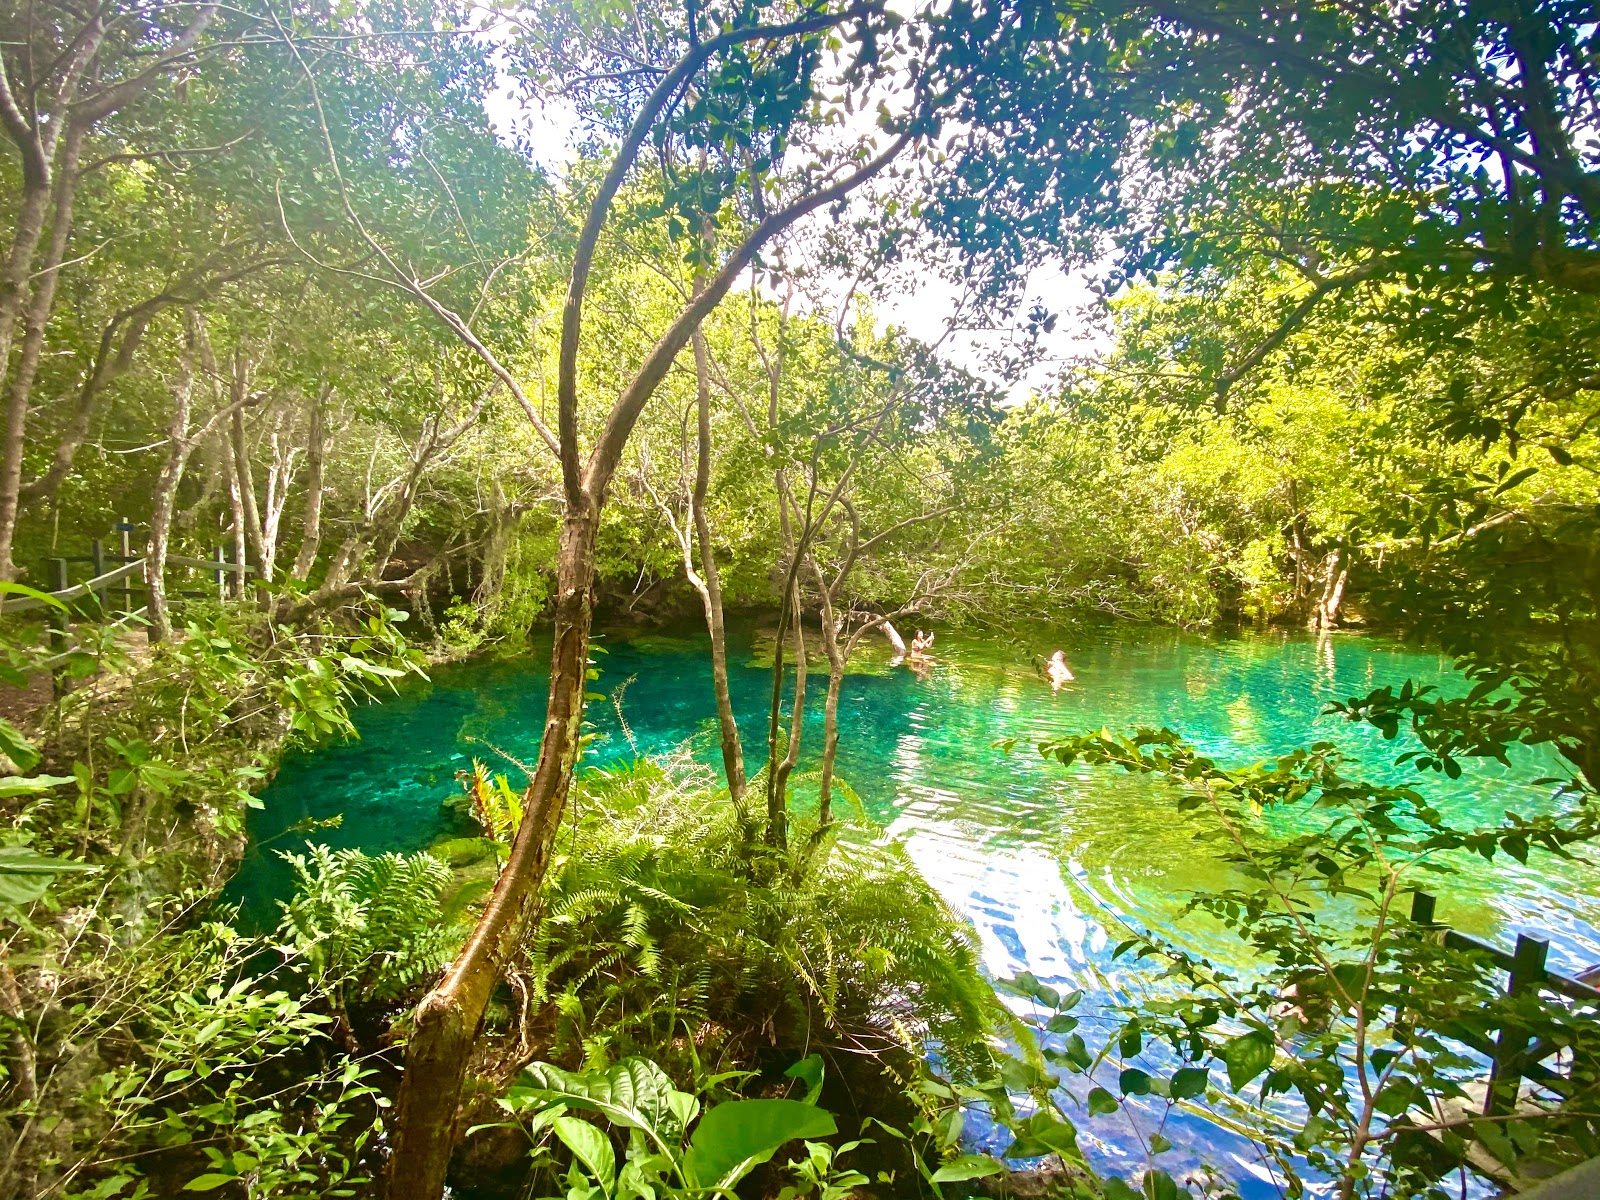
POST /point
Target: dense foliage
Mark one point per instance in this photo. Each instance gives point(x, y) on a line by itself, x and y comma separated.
point(278, 293)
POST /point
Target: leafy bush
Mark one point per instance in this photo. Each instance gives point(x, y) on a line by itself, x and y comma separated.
point(658, 915)
point(1375, 1027)
point(141, 1040)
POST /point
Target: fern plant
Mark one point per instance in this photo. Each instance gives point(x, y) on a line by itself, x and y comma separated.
point(367, 924)
point(655, 920)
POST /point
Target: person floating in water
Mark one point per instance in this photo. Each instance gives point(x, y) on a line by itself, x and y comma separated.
point(1057, 671)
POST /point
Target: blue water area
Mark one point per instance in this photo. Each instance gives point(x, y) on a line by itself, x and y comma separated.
point(1052, 865)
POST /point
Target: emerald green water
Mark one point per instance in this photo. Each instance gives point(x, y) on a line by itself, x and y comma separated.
point(1050, 864)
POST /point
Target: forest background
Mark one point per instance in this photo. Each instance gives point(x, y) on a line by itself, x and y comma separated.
point(274, 283)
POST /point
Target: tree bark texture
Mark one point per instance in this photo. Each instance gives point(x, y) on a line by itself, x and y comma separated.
point(179, 444)
point(711, 591)
point(311, 536)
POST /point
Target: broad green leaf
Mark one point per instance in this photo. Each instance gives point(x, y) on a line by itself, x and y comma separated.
point(1042, 1133)
point(1247, 1056)
point(206, 1183)
point(591, 1147)
point(1188, 1083)
point(1134, 1082)
point(25, 874)
point(30, 785)
point(808, 1071)
point(736, 1137)
point(17, 748)
point(22, 589)
point(1101, 1102)
point(634, 1093)
point(968, 1166)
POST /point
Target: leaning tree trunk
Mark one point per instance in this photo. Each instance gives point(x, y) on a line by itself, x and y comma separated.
point(34, 321)
point(778, 772)
point(249, 512)
point(448, 1020)
point(236, 514)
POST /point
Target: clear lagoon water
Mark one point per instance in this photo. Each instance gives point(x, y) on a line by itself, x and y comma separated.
point(1052, 865)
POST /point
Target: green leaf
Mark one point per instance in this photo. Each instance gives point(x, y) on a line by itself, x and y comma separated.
point(25, 874)
point(205, 1183)
point(1042, 1133)
point(17, 748)
point(590, 1146)
point(1061, 1023)
point(22, 589)
point(734, 1138)
point(1189, 1083)
point(1027, 984)
point(1247, 1056)
point(967, 1166)
point(1102, 1102)
point(30, 785)
point(809, 1072)
point(1134, 1082)
point(634, 1093)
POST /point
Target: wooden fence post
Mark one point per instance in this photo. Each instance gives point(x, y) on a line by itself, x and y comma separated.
point(125, 527)
point(1505, 1080)
point(220, 575)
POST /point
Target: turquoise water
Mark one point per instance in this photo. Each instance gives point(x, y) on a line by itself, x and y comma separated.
point(1051, 864)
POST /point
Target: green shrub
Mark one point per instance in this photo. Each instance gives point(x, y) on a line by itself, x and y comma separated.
point(659, 912)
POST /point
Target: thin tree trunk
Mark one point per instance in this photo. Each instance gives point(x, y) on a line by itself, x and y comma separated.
point(35, 319)
point(242, 473)
point(830, 709)
point(711, 593)
point(230, 463)
point(779, 771)
point(162, 504)
point(311, 535)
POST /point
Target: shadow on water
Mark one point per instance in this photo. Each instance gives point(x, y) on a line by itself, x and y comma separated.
point(1051, 864)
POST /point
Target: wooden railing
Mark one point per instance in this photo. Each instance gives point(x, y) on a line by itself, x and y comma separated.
point(126, 579)
point(1513, 1054)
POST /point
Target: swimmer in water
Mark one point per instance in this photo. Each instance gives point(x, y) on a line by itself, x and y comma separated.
point(921, 644)
point(1057, 671)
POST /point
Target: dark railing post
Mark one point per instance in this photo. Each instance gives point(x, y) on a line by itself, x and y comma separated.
point(220, 575)
point(1422, 908)
point(97, 561)
point(58, 623)
point(1527, 974)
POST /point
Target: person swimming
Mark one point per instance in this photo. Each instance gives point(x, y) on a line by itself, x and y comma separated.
point(921, 644)
point(1057, 671)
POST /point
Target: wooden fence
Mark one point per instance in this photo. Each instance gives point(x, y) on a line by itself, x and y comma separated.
point(1513, 1054)
point(113, 589)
